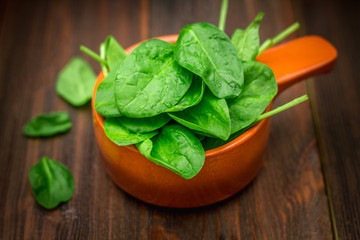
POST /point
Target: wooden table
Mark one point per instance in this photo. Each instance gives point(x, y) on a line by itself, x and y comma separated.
point(308, 187)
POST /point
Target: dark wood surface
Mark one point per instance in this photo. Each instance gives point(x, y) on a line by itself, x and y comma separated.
point(308, 187)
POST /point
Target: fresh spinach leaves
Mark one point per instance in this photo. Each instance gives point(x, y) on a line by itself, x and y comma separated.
point(192, 97)
point(150, 81)
point(75, 82)
point(49, 124)
point(175, 148)
point(52, 183)
point(144, 125)
point(247, 42)
point(121, 136)
point(114, 53)
point(210, 116)
point(260, 88)
point(105, 103)
point(207, 51)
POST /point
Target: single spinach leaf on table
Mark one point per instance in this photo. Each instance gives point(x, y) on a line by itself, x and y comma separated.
point(144, 125)
point(150, 81)
point(175, 148)
point(52, 183)
point(260, 88)
point(75, 82)
point(247, 42)
point(121, 136)
point(209, 117)
point(114, 53)
point(208, 52)
point(46, 125)
point(192, 97)
point(105, 103)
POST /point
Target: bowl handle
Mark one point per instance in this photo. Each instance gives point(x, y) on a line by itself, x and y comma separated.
point(298, 59)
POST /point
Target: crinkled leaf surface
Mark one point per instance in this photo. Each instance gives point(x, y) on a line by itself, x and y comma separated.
point(52, 183)
point(208, 52)
point(121, 135)
point(192, 97)
point(260, 88)
point(105, 103)
point(114, 53)
point(175, 148)
point(46, 125)
point(75, 82)
point(247, 42)
point(210, 116)
point(150, 81)
point(144, 125)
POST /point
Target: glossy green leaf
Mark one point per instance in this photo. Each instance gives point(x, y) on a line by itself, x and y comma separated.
point(144, 125)
point(75, 82)
point(150, 81)
point(209, 117)
point(247, 42)
point(208, 52)
point(114, 53)
point(49, 124)
point(52, 183)
point(259, 90)
point(175, 148)
point(192, 97)
point(121, 135)
point(105, 103)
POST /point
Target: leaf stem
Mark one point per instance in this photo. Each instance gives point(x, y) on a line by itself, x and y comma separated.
point(92, 54)
point(272, 41)
point(102, 56)
point(223, 13)
point(288, 105)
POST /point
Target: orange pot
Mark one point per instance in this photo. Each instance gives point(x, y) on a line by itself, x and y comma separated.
point(228, 168)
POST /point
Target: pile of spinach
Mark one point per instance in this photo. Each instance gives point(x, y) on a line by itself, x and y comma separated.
point(173, 101)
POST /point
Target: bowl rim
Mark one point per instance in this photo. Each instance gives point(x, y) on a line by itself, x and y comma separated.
point(208, 153)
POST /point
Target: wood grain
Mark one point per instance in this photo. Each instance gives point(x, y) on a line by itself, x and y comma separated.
point(287, 200)
point(336, 110)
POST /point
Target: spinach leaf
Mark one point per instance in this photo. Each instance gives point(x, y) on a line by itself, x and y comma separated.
point(150, 81)
point(114, 53)
point(192, 97)
point(175, 148)
point(209, 117)
point(105, 103)
point(208, 52)
point(260, 88)
point(144, 125)
point(52, 183)
point(247, 41)
point(121, 136)
point(75, 82)
point(46, 125)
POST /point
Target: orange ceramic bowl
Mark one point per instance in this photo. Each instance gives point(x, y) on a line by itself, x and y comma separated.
point(228, 168)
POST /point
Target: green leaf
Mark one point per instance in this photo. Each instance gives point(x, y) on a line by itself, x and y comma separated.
point(208, 52)
point(105, 103)
point(192, 97)
point(52, 183)
point(247, 42)
point(122, 136)
point(114, 53)
point(46, 125)
point(144, 125)
point(150, 81)
point(209, 117)
point(260, 88)
point(75, 82)
point(175, 148)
